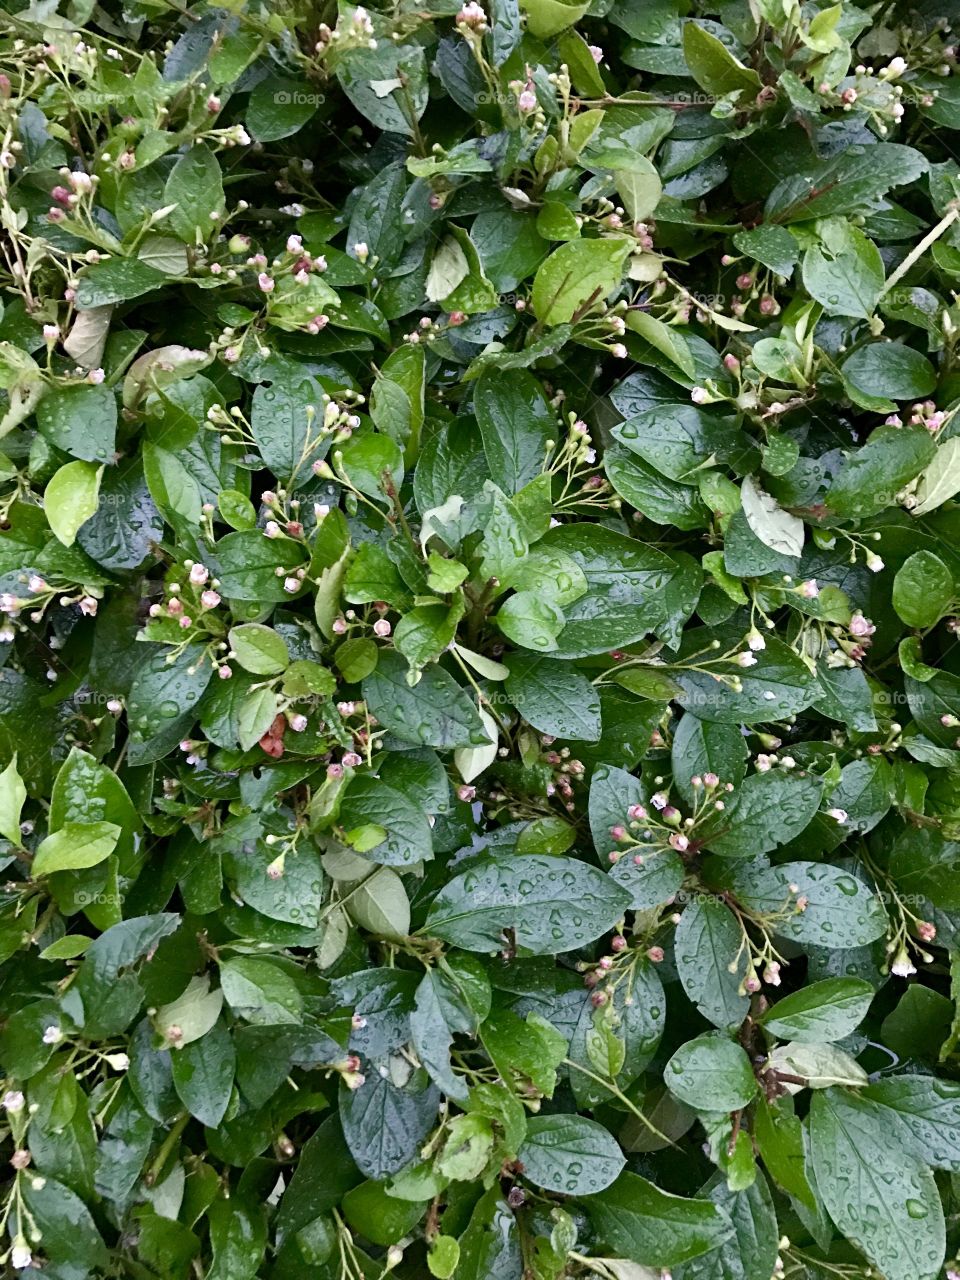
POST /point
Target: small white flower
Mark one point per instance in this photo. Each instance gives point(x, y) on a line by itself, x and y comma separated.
point(13, 1101)
point(902, 966)
point(20, 1255)
point(746, 660)
point(52, 1035)
point(117, 1061)
point(838, 815)
point(699, 395)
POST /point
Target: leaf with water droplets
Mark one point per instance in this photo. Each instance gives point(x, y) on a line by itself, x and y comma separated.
point(708, 941)
point(812, 902)
point(881, 1198)
point(434, 712)
point(547, 904)
point(650, 1226)
point(570, 1154)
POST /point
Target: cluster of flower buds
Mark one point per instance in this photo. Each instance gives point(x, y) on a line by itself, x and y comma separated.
point(660, 824)
point(69, 194)
point(526, 97)
point(852, 644)
point(351, 32)
point(427, 330)
point(472, 19)
point(566, 770)
point(751, 291)
point(201, 597)
point(40, 594)
point(924, 414)
point(350, 1073)
point(872, 92)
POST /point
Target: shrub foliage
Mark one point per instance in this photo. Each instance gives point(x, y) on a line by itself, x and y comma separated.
point(479, 702)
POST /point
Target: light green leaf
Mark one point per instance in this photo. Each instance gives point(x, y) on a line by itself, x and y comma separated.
point(71, 498)
point(74, 846)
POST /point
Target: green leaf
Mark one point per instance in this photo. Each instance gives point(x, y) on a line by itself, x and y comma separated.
point(775, 528)
point(260, 991)
point(279, 108)
point(841, 911)
point(248, 563)
point(708, 942)
point(405, 831)
point(889, 371)
point(659, 873)
point(885, 1202)
point(554, 698)
point(373, 464)
point(778, 672)
point(711, 1073)
point(652, 1227)
point(195, 187)
point(627, 585)
point(770, 810)
point(80, 420)
point(434, 712)
point(515, 421)
point(384, 1124)
point(570, 1154)
point(773, 247)
point(74, 846)
point(701, 747)
point(850, 182)
point(259, 649)
point(257, 713)
point(530, 621)
point(714, 67)
point(381, 904)
point(927, 1112)
point(547, 18)
point(72, 497)
point(530, 896)
point(388, 84)
point(940, 480)
point(843, 270)
point(13, 794)
point(823, 1011)
point(923, 589)
point(203, 1075)
point(577, 276)
point(680, 439)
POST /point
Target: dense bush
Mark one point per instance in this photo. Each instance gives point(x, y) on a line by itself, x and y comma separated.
point(479, 696)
